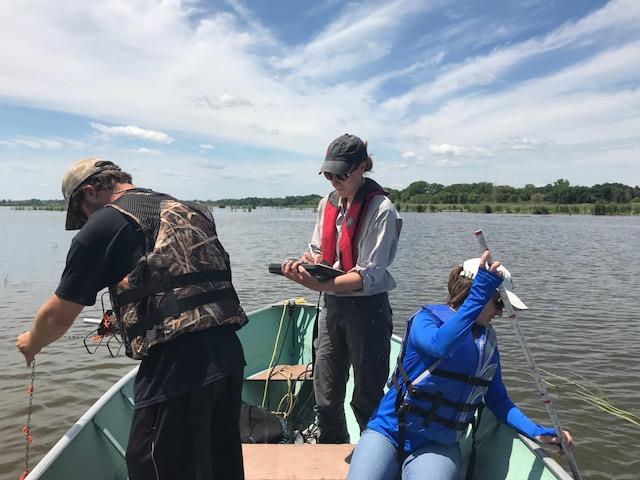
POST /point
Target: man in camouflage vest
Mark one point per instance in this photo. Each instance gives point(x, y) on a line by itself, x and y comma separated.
point(178, 313)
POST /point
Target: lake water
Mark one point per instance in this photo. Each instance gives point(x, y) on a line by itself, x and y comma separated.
point(580, 275)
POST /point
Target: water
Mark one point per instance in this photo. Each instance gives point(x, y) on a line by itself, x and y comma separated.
point(579, 274)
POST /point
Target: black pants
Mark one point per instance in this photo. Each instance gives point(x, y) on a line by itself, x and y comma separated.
point(193, 436)
point(351, 331)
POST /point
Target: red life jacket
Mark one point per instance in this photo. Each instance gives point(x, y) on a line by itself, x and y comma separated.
point(350, 225)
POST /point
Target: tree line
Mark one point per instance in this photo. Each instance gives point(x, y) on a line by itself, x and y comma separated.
point(425, 193)
point(560, 192)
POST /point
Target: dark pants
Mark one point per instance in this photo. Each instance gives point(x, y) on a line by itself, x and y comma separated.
point(193, 436)
point(351, 331)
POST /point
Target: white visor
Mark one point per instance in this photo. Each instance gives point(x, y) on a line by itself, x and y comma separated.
point(470, 269)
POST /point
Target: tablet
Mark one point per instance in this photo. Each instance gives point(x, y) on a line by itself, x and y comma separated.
point(318, 270)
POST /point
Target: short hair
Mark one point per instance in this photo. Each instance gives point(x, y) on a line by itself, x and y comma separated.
point(107, 179)
point(104, 180)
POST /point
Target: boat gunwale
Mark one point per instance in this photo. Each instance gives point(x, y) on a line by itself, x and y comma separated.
point(536, 449)
point(91, 412)
point(83, 421)
point(553, 466)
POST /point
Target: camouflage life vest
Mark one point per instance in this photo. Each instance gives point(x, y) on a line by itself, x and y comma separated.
point(183, 282)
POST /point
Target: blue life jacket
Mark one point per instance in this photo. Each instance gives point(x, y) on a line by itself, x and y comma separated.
point(440, 402)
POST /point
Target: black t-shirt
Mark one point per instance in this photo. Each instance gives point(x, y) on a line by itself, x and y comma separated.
point(101, 254)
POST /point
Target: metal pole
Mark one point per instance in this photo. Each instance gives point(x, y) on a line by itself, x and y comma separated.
point(542, 390)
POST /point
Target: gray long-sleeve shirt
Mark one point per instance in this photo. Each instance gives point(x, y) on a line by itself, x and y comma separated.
point(377, 244)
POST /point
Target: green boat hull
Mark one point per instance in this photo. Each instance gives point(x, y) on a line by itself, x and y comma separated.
point(95, 446)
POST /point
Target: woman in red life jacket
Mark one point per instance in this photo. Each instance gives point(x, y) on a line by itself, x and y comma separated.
point(357, 231)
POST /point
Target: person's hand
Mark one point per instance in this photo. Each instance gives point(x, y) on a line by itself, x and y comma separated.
point(493, 268)
point(24, 344)
point(315, 258)
point(568, 439)
point(294, 270)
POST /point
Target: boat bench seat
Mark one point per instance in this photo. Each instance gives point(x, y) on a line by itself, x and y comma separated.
point(300, 462)
point(293, 373)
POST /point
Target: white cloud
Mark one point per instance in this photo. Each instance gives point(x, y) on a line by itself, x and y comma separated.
point(362, 34)
point(48, 143)
point(211, 165)
point(437, 58)
point(210, 77)
point(444, 162)
point(521, 143)
point(131, 131)
point(207, 146)
point(413, 158)
point(446, 149)
point(484, 70)
point(149, 151)
point(181, 174)
point(457, 150)
point(223, 101)
point(227, 100)
point(208, 64)
point(265, 129)
point(571, 106)
point(162, 49)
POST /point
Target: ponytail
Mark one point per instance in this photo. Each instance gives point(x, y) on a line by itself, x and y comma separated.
point(458, 287)
point(369, 161)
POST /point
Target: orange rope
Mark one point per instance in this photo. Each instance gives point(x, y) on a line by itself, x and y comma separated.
point(26, 429)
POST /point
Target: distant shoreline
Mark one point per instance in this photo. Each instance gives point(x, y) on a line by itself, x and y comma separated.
point(559, 197)
point(618, 209)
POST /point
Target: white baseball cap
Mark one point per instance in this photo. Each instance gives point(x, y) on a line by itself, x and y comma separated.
point(470, 269)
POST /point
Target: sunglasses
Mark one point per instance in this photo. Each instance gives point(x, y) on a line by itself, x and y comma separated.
point(341, 177)
point(499, 303)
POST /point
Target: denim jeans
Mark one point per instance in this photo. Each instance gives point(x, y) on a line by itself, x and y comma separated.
point(376, 458)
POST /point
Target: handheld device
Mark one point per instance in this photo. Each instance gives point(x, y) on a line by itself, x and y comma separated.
point(318, 270)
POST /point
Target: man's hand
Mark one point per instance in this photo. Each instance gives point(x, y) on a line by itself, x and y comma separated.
point(52, 320)
point(26, 347)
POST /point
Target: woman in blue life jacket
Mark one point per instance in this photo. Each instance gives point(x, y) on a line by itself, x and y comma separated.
point(449, 365)
point(357, 231)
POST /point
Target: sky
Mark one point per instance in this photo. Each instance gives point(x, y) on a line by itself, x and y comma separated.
point(229, 99)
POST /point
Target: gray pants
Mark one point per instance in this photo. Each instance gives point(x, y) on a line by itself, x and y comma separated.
point(351, 331)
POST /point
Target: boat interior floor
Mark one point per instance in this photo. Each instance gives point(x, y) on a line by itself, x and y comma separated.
point(299, 462)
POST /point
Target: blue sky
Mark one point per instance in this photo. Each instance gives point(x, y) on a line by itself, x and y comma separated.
point(235, 98)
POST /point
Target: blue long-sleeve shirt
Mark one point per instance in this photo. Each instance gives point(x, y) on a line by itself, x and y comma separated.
point(428, 340)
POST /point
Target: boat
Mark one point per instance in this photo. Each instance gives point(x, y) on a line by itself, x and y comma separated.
point(277, 345)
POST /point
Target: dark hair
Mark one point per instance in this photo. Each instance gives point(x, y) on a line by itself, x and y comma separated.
point(458, 287)
point(107, 179)
point(104, 180)
point(369, 161)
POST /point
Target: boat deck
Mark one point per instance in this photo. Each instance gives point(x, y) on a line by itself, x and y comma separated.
point(296, 462)
point(283, 373)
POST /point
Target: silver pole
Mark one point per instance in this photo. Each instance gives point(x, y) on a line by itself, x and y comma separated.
point(542, 390)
